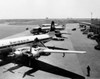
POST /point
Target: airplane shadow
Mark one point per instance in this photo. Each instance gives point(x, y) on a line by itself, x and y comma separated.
point(5, 62)
point(13, 68)
point(39, 65)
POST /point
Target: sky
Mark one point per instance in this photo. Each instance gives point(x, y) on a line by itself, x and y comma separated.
point(33, 9)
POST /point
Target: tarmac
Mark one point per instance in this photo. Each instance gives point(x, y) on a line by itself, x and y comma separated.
point(91, 58)
point(72, 66)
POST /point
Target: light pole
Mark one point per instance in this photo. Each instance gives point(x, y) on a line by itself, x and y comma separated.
point(91, 17)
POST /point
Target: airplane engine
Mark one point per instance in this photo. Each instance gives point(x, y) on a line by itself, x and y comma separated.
point(39, 52)
point(35, 53)
point(18, 53)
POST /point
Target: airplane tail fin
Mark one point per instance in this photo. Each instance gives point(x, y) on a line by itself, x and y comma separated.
point(52, 28)
point(51, 32)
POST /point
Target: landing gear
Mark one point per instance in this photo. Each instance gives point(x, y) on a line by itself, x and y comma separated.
point(63, 55)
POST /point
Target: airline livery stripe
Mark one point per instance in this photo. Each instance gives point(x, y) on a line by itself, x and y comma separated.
point(43, 40)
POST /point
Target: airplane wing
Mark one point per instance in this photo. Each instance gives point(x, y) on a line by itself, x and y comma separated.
point(56, 49)
point(63, 51)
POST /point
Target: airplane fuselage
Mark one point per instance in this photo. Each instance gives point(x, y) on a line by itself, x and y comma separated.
point(22, 40)
point(8, 45)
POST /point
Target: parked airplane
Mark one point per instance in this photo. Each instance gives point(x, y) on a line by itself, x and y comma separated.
point(25, 50)
point(46, 27)
point(15, 46)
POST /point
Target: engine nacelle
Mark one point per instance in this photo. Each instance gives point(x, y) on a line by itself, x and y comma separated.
point(35, 53)
point(18, 53)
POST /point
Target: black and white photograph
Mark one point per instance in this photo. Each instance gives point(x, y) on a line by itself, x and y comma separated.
point(49, 39)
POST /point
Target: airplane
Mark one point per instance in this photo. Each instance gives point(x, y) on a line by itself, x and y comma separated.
point(30, 47)
point(46, 27)
point(11, 45)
